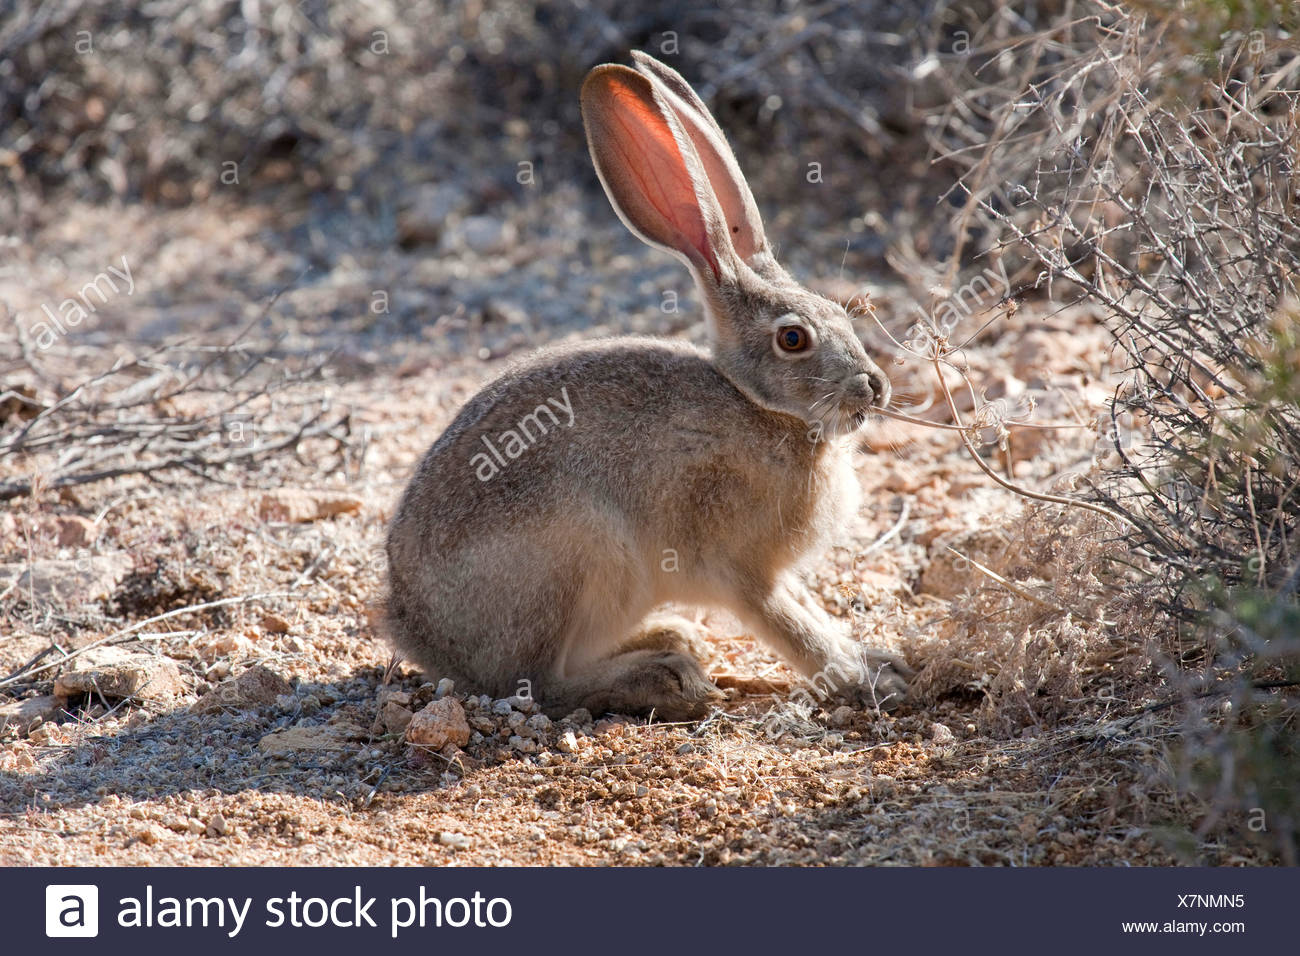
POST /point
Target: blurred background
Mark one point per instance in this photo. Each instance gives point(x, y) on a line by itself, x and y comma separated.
point(434, 151)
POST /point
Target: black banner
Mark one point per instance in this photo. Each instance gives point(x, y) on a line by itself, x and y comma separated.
point(650, 911)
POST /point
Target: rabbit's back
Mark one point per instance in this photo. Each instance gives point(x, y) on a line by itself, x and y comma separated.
point(643, 426)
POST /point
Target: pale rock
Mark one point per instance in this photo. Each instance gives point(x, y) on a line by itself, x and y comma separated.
point(274, 623)
point(297, 505)
point(44, 734)
point(116, 674)
point(67, 583)
point(25, 715)
point(310, 737)
point(227, 645)
point(457, 841)
point(395, 695)
point(395, 718)
point(259, 686)
point(522, 744)
point(485, 235)
point(438, 724)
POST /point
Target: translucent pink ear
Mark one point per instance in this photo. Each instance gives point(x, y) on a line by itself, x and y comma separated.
point(744, 225)
point(651, 171)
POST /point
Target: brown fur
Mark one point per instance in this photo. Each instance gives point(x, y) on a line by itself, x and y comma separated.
point(684, 477)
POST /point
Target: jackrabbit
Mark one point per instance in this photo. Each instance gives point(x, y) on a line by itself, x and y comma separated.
point(592, 484)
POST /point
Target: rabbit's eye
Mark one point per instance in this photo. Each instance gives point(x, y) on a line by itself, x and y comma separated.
point(792, 338)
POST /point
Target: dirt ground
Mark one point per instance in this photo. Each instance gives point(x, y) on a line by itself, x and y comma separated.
point(998, 760)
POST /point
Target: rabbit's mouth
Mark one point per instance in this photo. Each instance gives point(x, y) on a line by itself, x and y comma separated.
point(845, 420)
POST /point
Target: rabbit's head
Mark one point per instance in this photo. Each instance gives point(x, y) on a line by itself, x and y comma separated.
point(675, 183)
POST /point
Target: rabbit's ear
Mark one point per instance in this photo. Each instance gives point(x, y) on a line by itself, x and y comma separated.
point(744, 225)
point(651, 172)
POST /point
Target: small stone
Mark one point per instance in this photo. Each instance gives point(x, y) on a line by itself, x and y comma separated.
point(539, 723)
point(298, 505)
point(842, 716)
point(25, 716)
point(274, 623)
point(440, 723)
point(503, 707)
point(394, 695)
point(395, 718)
point(445, 687)
point(310, 737)
point(942, 735)
point(485, 235)
point(228, 645)
point(568, 743)
point(457, 841)
point(217, 826)
point(73, 531)
point(257, 687)
point(685, 749)
point(115, 674)
point(42, 734)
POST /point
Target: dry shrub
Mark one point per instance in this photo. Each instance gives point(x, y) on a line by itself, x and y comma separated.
point(1145, 161)
point(1035, 630)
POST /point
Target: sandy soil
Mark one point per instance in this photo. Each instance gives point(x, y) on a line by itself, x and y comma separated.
point(1000, 759)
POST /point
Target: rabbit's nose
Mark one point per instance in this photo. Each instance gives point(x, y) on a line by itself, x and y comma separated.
point(871, 387)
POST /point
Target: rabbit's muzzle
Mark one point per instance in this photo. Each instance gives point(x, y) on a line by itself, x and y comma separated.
point(871, 389)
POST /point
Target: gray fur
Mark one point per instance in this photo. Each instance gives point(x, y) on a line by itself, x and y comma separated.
point(665, 474)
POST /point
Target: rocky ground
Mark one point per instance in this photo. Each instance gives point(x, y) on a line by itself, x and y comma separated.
point(264, 722)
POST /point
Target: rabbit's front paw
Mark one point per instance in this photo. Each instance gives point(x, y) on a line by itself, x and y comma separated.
point(882, 680)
